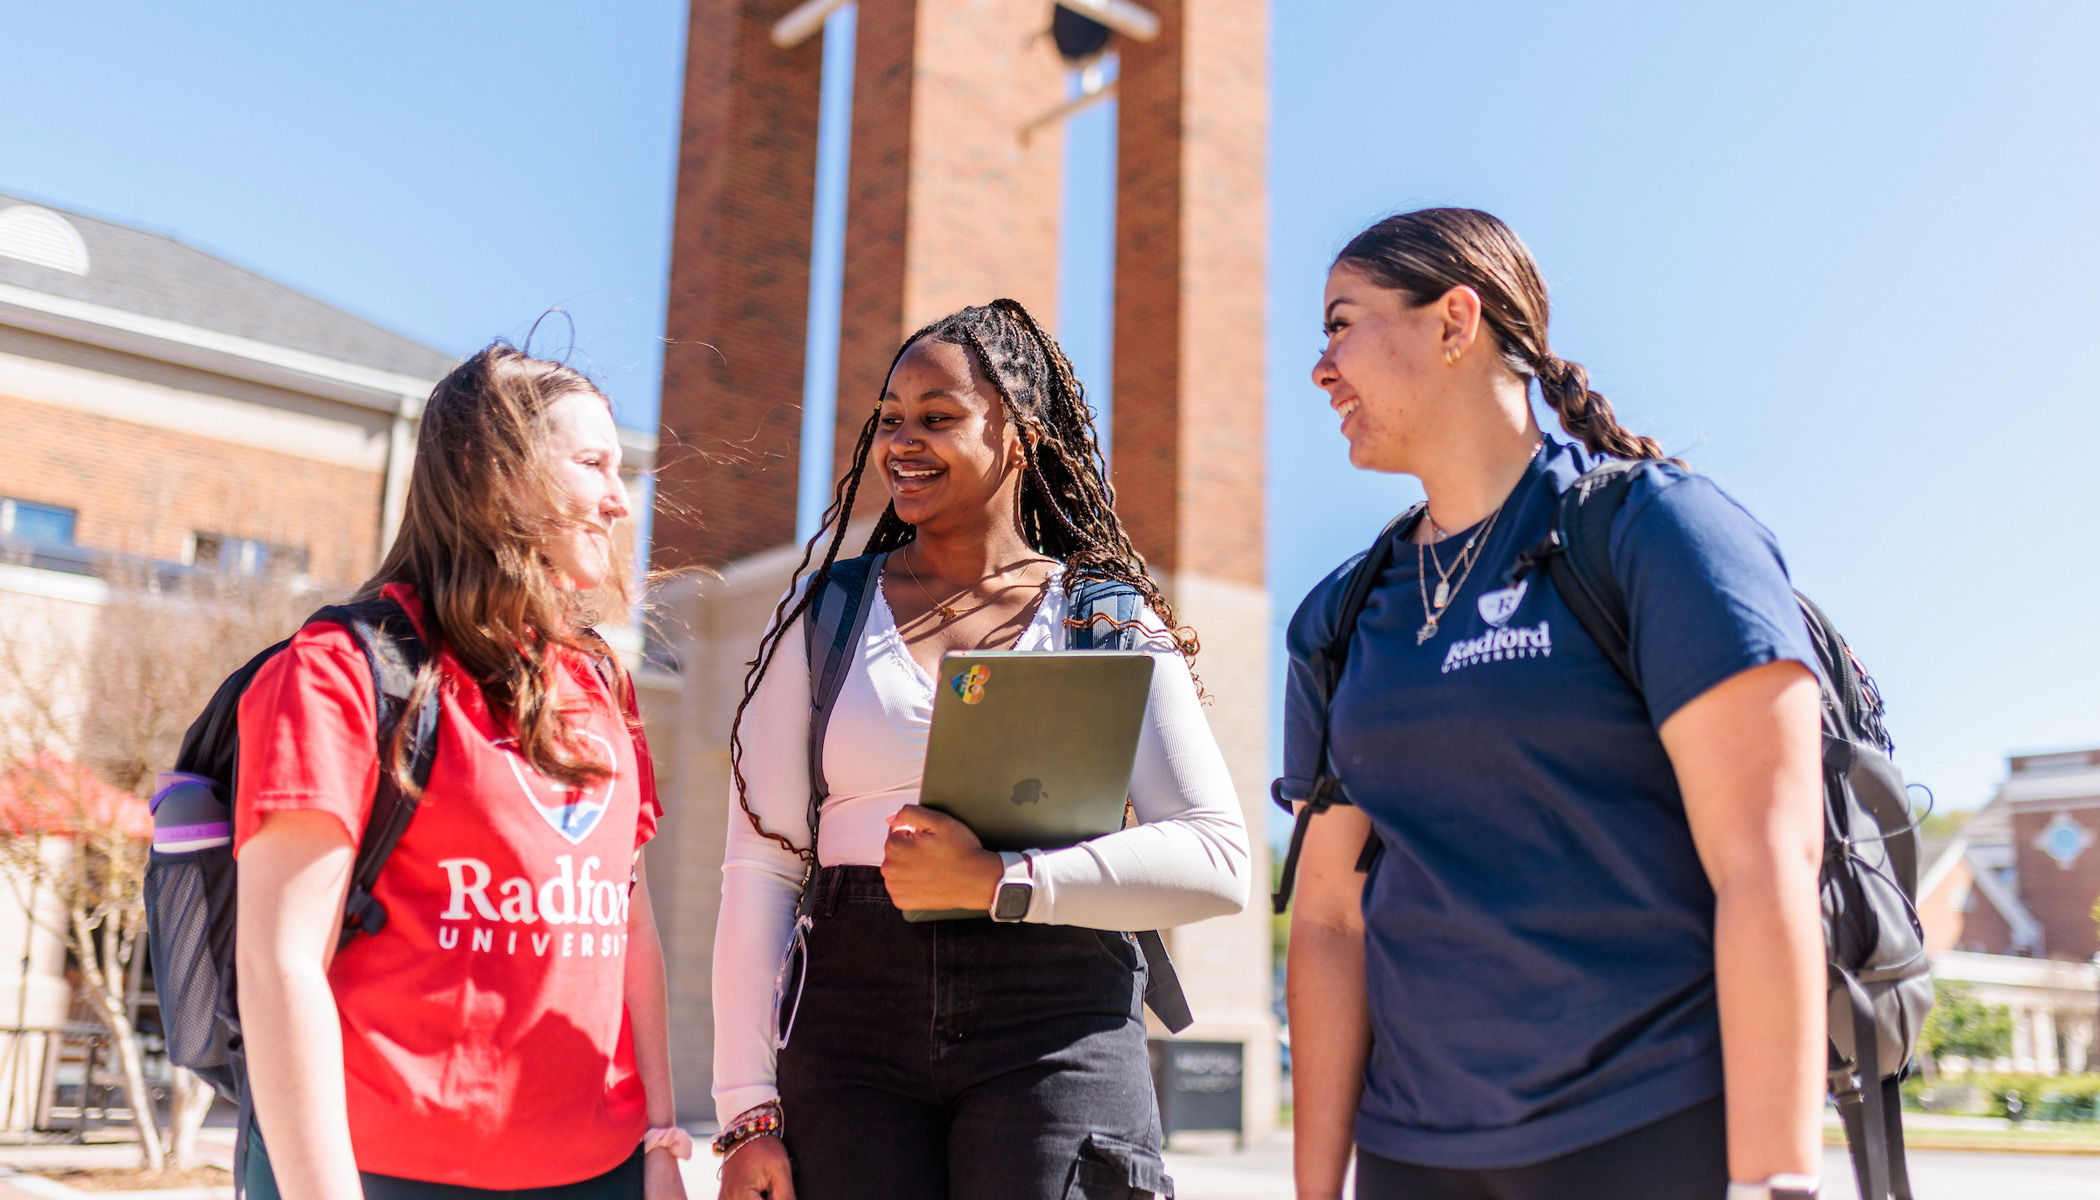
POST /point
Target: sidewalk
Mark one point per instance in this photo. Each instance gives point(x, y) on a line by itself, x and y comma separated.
point(1215, 1171)
point(214, 1147)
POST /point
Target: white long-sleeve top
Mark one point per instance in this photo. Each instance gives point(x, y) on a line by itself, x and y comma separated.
point(1186, 860)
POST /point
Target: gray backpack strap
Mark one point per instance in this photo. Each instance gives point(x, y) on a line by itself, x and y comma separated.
point(1105, 616)
point(831, 628)
point(396, 655)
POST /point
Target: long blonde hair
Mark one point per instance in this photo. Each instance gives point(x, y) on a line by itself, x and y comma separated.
point(480, 505)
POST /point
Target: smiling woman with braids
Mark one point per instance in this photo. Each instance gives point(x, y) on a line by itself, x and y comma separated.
point(1021, 1044)
point(1585, 957)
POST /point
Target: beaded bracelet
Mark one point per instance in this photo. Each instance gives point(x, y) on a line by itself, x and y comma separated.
point(764, 1120)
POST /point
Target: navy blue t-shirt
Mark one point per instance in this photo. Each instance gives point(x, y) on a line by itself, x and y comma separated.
point(1539, 932)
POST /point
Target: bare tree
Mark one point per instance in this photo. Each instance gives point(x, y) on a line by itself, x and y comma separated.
point(100, 887)
point(92, 706)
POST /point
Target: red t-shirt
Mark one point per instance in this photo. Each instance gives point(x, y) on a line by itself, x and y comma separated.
point(485, 1037)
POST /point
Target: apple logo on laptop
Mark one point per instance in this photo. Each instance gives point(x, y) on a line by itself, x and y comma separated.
point(1029, 791)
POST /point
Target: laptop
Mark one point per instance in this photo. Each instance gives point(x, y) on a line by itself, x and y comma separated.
point(1033, 750)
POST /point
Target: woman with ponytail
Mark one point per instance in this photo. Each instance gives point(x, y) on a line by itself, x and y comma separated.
point(500, 1025)
point(970, 1060)
point(1586, 957)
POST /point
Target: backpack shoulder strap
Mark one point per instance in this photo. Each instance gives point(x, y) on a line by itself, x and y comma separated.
point(211, 746)
point(396, 655)
point(607, 664)
point(610, 672)
point(1327, 661)
point(831, 627)
point(1326, 664)
point(1105, 616)
point(1576, 553)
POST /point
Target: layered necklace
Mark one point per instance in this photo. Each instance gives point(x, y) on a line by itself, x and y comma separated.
point(1469, 554)
point(1447, 589)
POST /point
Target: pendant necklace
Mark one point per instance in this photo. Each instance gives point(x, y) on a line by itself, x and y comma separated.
point(1468, 556)
point(943, 611)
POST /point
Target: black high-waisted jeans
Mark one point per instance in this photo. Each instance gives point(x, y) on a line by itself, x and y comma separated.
point(966, 1059)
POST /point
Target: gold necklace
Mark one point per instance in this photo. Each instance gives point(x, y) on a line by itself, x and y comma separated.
point(1432, 613)
point(1468, 555)
point(945, 612)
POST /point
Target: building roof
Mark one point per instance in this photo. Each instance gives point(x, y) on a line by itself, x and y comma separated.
point(71, 255)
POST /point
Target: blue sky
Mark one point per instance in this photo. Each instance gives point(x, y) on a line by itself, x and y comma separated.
point(1841, 256)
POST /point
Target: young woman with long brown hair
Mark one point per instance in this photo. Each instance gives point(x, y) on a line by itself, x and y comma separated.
point(978, 1060)
point(1588, 961)
point(506, 1028)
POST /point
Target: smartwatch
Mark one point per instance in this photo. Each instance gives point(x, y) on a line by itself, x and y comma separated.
point(1016, 889)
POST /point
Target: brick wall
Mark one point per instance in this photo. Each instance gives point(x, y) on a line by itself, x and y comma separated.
point(142, 490)
point(2061, 898)
point(946, 206)
point(1191, 223)
point(728, 465)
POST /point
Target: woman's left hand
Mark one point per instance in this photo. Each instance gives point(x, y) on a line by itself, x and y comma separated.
point(660, 1177)
point(932, 861)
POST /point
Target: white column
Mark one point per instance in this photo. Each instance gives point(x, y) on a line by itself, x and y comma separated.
point(2045, 1042)
point(400, 458)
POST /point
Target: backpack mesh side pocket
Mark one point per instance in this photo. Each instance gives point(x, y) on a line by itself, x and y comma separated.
point(190, 925)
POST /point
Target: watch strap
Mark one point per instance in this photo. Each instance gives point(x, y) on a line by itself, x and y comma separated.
point(1778, 1187)
point(1019, 877)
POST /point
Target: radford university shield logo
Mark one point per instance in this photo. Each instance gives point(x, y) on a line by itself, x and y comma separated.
point(573, 813)
point(1496, 608)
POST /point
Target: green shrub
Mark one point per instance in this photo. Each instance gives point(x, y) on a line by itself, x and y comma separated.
point(2044, 1097)
point(1961, 1025)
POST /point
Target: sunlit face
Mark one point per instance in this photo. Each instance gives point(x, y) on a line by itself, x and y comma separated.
point(1382, 368)
point(943, 444)
point(582, 452)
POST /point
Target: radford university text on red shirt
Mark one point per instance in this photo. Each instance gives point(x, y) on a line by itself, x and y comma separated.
point(485, 1039)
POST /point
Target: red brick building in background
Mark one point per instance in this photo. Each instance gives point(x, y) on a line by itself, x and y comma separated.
point(2008, 906)
point(952, 199)
point(167, 419)
point(168, 406)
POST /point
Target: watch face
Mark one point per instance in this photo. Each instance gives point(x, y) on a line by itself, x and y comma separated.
point(1013, 901)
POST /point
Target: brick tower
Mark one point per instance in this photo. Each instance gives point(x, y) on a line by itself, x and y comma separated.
point(949, 204)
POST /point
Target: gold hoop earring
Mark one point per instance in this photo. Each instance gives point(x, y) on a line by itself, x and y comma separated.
point(1451, 357)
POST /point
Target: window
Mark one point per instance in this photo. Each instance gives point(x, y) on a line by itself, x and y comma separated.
point(245, 556)
point(33, 522)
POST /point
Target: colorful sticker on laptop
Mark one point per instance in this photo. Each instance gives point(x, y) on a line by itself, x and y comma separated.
point(970, 684)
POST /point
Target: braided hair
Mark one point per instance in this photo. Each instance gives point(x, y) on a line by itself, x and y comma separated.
point(1067, 505)
point(1430, 251)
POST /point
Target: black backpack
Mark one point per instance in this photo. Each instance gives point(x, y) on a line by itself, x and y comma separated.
point(190, 894)
point(1104, 617)
point(1880, 986)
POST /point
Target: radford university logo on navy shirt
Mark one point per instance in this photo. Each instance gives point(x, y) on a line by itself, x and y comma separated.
point(1500, 641)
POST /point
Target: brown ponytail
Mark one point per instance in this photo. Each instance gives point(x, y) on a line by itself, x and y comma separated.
point(1587, 414)
point(1426, 253)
